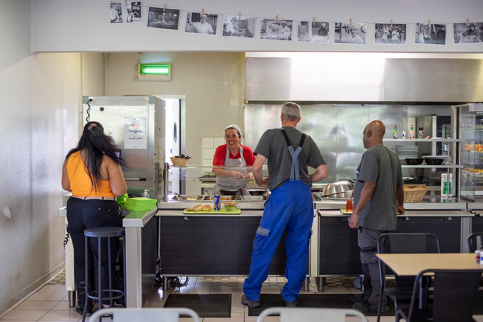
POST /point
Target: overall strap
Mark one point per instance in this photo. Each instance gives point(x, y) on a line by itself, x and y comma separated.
point(294, 166)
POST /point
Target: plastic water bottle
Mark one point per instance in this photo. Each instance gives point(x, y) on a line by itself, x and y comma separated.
point(411, 133)
point(146, 193)
point(394, 135)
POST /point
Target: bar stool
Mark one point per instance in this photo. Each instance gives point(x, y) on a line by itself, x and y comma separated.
point(99, 233)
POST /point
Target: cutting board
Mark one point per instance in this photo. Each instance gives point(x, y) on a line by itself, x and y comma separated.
point(213, 212)
point(345, 212)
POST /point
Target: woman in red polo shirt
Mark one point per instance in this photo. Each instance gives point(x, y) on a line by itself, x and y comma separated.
point(230, 161)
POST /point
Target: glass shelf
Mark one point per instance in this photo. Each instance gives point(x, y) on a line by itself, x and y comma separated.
point(422, 140)
point(441, 166)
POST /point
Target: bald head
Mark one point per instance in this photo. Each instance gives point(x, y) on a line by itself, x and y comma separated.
point(374, 133)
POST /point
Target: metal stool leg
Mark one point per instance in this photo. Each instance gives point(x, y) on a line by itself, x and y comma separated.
point(87, 279)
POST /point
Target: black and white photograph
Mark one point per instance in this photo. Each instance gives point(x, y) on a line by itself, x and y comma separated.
point(115, 12)
point(346, 33)
point(133, 12)
point(238, 26)
point(468, 32)
point(201, 23)
point(276, 29)
point(310, 31)
point(387, 33)
point(434, 34)
point(163, 18)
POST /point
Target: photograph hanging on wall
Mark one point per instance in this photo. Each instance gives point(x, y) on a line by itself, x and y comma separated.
point(468, 32)
point(201, 23)
point(434, 34)
point(115, 12)
point(354, 33)
point(276, 29)
point(163, 18)
point(125, 12)
point(310, 31)
point(387, 33)
point(238, 26)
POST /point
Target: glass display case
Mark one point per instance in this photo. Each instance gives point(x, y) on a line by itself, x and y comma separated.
point(196, 182)
point(470, 132)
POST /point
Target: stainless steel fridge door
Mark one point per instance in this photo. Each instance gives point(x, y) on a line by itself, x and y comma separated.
point(130, 121)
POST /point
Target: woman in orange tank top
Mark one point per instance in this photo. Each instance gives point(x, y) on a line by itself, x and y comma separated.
point(92, 171)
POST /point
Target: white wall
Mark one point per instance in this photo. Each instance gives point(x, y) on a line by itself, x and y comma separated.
point(40, 101)
point(77, 26)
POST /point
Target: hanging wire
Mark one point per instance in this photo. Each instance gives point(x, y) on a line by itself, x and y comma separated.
point(88, 118)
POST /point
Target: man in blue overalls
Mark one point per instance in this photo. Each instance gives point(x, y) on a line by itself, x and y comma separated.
point(289, 207)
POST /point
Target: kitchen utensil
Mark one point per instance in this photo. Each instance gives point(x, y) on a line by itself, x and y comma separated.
point(434, 161)
point(414, 161)
point(342, 189)
point(257, 192)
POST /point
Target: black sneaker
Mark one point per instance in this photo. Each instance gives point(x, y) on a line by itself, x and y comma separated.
point(367, 307)
point(247, 302)
point(358, 298)
point(290, 304)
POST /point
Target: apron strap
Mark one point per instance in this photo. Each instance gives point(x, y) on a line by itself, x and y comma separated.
point(294, 166)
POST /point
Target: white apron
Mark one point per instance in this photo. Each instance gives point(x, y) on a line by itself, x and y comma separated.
point(231, 183)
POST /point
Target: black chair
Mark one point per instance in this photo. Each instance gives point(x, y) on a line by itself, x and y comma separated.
point(101, 293)
point(475, 241)
point(400, 243)
point(453, 298)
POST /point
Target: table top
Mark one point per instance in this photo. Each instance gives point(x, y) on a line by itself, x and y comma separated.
point(412, 264)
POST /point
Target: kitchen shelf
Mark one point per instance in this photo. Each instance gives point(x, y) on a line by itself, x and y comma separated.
point(422, 140)
point(441, 166)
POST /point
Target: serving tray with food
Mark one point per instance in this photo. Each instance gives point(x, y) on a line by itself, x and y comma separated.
point(226, 208)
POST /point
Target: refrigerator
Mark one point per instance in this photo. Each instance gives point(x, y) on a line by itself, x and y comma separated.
point(470, 132)
point(137, 125)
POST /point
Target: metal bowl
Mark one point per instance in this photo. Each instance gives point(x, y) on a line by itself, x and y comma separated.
point(434, 161)
point(414, 161)
point(338, 189)
point(257, 192)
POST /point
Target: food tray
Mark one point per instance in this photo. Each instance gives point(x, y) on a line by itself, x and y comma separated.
point(213, 212)
point(179, 161)
point(345, 212)
point(414, 193)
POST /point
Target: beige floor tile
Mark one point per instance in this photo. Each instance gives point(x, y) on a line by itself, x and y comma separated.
point(383, 318)
point(57, 288)
point(271, 290)
point(25, 315)
point(227, 289)
point(18, 320)
point(236, 306)
point(37, 305)
point(61, 306)
point(335, 290)
point(47, 296)
point(61, 316)
point(195, 290)
point(235, 317)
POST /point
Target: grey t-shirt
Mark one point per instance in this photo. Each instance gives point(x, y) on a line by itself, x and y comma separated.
point(272, 145)
point(379, 165)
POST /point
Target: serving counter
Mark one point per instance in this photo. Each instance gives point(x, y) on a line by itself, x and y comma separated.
point(221, 244)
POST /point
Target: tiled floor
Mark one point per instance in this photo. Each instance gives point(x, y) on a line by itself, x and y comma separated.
point(50, 303)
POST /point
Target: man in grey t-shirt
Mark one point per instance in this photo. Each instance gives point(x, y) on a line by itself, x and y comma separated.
point(289, 207)
point(378, 197)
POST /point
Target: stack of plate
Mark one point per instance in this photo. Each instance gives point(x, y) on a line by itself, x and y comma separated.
point(406, 151)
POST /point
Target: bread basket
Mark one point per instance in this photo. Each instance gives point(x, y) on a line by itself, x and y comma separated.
point(414, 193)
point(179, 161)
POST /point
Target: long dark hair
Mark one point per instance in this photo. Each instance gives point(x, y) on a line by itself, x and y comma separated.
point(96, 144)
